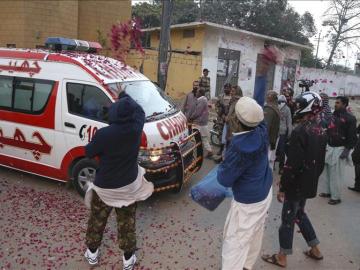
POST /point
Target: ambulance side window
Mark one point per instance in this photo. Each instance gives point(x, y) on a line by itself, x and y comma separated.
point(24, 94)
point(6, 85)
point(87, 101)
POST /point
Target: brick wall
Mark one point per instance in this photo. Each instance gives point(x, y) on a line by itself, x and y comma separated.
point(12, 28)
point(28, 23)
point(97, 16)
point(49, 18)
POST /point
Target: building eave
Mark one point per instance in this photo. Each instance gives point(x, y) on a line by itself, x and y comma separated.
point(233, 29)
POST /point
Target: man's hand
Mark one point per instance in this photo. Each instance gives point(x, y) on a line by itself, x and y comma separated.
point(280, 196)
point(345, 154)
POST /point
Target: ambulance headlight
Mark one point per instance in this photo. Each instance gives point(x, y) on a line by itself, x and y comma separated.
point(156, 158)
point(155, 155)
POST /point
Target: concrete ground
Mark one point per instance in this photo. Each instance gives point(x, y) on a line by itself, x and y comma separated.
point(43, 223)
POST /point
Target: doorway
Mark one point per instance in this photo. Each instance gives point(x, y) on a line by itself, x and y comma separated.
point(227, 69)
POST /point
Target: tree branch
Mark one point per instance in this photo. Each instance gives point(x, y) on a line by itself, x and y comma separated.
point(335, 29)
point(346, 38)
point(352, 29)
point(353, 16)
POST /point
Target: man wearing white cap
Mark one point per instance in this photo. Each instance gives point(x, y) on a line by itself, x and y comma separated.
point(246, 170)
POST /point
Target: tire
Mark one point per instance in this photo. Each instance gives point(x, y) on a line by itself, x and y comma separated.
point(83, 173)
point(215, 139)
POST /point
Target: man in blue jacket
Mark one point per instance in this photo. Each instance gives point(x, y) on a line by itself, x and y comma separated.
point(119, 181)
point(246, 170)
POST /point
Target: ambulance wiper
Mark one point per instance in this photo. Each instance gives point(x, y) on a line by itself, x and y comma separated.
point(171, 110)
point(154, 114)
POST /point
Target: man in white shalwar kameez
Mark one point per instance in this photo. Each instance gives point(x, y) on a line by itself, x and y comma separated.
point(341, 139)
point(246, 170)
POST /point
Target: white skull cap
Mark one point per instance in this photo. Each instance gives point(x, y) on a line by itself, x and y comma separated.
point(249, 112)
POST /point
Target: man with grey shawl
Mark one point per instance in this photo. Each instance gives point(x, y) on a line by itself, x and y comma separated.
point(284, 131)
point(272, 120)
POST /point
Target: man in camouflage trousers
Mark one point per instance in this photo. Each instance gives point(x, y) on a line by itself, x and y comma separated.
point(125, 218)
point(119, 181)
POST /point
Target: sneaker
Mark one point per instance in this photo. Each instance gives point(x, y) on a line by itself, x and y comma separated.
point(93, 258)
point(130, 263)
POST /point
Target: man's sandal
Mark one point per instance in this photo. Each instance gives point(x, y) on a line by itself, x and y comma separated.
point(312, 256)
point(272, 260)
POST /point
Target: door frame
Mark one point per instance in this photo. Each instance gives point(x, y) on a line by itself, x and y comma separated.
point(227, 55)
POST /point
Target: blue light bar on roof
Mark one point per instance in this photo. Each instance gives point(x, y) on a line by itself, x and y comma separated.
point(60, 43)
point(67, 44)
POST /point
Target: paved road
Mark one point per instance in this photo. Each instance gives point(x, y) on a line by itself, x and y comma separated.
point(43, 224)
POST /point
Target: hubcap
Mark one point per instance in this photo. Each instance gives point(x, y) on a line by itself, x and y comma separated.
point(86, 176)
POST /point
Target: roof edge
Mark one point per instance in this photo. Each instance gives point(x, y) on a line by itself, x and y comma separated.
point(230, 28)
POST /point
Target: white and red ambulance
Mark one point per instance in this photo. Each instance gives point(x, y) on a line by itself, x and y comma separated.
point(53, 101)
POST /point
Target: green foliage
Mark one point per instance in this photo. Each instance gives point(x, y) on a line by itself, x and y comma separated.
point(273, 18)
point(101, 38)
point(148, 13)
point(308, 60)
point(269, 17)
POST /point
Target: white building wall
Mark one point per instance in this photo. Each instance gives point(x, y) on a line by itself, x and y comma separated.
point(249, 48)
point(277, 78)
point(331, 82)
point(210, 56)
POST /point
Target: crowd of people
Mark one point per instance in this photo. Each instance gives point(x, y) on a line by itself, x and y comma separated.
point(279, 110)
point(301, 133)
point(308, 141)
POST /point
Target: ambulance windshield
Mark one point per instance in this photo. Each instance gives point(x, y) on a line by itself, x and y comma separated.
point(151, 98)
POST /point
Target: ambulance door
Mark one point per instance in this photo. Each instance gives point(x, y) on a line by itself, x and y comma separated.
point(84, 111)
point(26, 130)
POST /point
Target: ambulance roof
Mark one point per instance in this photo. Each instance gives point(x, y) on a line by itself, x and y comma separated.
point(104, 69)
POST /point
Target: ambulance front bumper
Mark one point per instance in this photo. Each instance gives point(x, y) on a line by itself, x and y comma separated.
point(169, 168)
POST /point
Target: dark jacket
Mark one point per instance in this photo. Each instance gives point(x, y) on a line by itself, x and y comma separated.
point(342, 130)
point(356, 153)
point(117, 145)
point(246, 166)
point(306, 160)
point(272, 120)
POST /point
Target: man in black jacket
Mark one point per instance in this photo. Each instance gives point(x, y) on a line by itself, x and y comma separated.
point(341, 139)
point(306, 158)
point(356, 160)
point(119, 181)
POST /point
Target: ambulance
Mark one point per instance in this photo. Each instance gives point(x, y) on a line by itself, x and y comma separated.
point(53, 100)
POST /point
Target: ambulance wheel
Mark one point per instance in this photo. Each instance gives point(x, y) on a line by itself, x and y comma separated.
point(84, 173)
